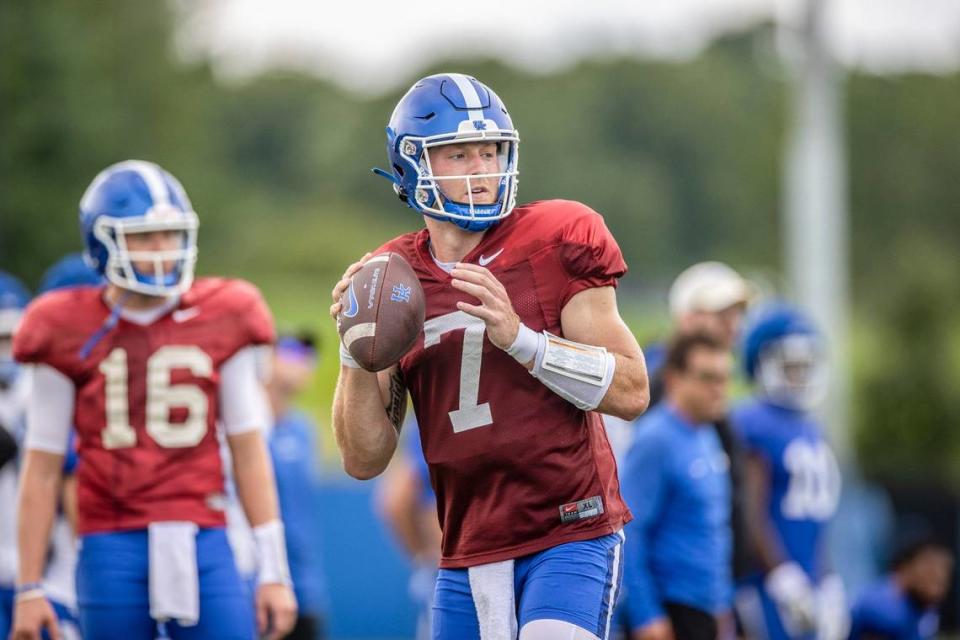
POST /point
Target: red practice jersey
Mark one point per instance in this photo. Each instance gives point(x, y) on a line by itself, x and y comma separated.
point(146, 403)
point(515, 467)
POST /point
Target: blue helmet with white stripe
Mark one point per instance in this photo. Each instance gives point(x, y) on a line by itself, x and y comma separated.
point(784, 354)
point(451, 108)
point(69, 271)
point(13, 300)
point(135, 197)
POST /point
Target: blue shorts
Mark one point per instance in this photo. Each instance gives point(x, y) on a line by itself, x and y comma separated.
point(113, 590)
point(69, 625)
point(576, 582)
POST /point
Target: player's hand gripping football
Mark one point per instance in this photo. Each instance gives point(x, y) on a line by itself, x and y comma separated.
point(340, 288)
point(276, 611)
point(31, 617)
point(495, 308)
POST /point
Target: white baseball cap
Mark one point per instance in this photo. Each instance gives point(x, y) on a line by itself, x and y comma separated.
point(710, 287)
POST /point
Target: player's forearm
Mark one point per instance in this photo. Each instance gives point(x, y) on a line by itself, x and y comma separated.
point(253, 476)
point(629, 392)
point(366, 431)
point(39, 488)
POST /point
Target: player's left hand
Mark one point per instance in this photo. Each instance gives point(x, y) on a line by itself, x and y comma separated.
point(495, 308)
point(276, 610)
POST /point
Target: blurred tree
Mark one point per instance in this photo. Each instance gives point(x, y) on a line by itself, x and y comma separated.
point(681, 158)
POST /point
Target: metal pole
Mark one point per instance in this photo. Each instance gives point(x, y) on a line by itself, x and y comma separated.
point(815, 206)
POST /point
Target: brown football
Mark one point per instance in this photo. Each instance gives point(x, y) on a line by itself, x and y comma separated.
point(382, 312)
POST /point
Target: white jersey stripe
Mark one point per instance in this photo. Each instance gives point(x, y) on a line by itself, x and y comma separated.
point(470, 96)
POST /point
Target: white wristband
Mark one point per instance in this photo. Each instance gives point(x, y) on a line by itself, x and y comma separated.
point(346, 359)
point(524, 348)
point(271, 553)
point(31, 594)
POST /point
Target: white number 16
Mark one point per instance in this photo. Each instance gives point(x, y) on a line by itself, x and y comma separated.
point(161, 398)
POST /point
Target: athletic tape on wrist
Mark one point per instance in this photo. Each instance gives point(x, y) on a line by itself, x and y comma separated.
point(525, 346)
point(346, 359)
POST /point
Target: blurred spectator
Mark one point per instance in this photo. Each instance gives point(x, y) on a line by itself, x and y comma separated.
point(904, 605)
point(791, 483)
point(676, 481)
point(59, 574)
point(14, 389)
point(408, 505)
point(293, 449)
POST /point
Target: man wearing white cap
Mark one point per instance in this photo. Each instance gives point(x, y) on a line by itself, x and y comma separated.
point(711, 297)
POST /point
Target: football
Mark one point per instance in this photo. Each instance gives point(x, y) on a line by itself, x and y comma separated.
point(382, 312)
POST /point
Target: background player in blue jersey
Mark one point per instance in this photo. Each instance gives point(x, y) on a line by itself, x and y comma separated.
point(293, 449)
point(409, 506)
point(904, 605)
point(14, 389)
point(676, 481)
point(792, 482)
point(58, 578)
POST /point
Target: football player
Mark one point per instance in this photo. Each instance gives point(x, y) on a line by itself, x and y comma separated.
point(293, 447)
point(14, 390)
point(791, 482)
point(406, 502)
point(905, 604)
point(523, 345)
point(144, 366)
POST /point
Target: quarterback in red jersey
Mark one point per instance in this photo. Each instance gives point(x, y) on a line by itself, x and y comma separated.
point(145, 367)
point(522, 346)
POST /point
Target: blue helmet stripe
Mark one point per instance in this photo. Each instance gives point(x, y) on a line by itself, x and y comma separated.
point(470, 96)
point(153, 178)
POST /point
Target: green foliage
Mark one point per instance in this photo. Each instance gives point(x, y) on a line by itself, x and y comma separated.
point(682, 159)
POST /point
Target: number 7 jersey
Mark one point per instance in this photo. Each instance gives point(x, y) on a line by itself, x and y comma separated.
point(516, 468)
point(146, 398)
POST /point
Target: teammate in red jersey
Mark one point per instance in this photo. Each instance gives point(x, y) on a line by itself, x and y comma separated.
point(522, 346)
point(145, 367)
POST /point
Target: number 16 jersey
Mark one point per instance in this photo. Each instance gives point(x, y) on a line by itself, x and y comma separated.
point(516, 468)
point(146, 397)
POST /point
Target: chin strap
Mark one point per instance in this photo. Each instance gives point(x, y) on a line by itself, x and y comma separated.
point(108, 324)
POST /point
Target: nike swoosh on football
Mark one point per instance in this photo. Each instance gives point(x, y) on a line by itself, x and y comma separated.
point(182, 315)
point(484, 261)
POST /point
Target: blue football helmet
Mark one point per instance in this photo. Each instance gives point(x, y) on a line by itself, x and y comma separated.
point(135, 197)
point(13, 300)
point(450, 108)
point(784, 354)
point(70, 271)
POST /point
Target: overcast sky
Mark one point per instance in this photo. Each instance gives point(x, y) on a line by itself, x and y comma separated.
point(375, 45)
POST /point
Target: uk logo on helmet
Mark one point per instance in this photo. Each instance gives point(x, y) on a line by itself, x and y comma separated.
point(480, 125)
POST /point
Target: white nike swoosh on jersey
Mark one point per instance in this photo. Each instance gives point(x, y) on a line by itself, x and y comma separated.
point(484, 261)
point(182, 315)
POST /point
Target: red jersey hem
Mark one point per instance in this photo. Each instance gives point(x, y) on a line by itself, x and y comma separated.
point(526, 549)
point(143, 523)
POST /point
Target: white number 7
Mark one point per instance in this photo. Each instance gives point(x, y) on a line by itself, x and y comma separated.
point(469, 415)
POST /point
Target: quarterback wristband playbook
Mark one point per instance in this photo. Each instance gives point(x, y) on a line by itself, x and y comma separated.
point(271, 553)
point(579, 373)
